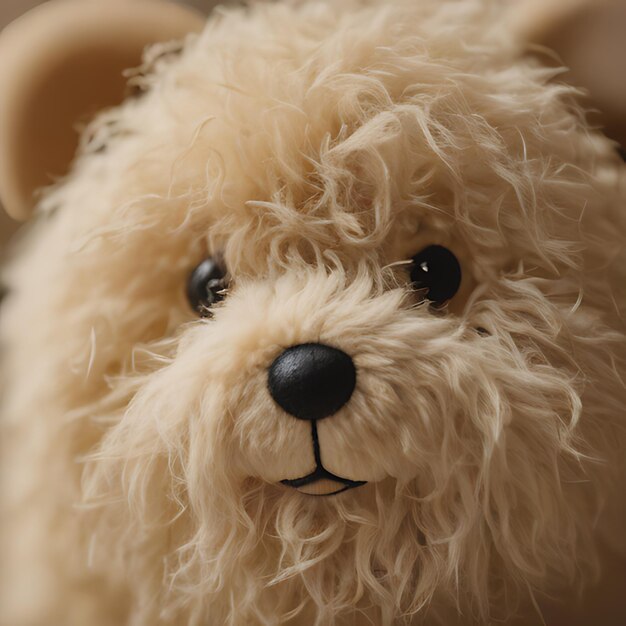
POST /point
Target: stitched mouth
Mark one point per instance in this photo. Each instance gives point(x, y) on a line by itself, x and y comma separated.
point(321, 482)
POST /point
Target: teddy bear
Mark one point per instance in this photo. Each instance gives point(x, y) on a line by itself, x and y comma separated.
point(322, 324)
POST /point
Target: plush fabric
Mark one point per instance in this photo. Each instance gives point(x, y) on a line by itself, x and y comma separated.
point(316, 148)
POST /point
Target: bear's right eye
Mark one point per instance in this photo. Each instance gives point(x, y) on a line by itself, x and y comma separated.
point(437, 272)
point(206, 286)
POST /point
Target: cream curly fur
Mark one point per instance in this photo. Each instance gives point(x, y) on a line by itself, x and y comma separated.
point(316, 147)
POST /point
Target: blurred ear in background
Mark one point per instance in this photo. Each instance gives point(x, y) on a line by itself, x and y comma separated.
point(587, 35)
point(60, 63)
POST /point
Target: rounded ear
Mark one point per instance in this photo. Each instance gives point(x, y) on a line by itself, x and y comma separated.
point(534, 20)
point(588, 37)
point(60, 63)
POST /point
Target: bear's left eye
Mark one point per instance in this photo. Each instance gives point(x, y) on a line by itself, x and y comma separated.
point(437, 272)
point(206, 286)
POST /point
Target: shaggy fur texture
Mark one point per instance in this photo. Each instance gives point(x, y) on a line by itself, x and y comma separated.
point(317, 147)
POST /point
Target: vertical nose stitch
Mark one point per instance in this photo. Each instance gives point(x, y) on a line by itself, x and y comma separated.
point(312, 381)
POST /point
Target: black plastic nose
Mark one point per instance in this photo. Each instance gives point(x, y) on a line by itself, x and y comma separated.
point(312, 381)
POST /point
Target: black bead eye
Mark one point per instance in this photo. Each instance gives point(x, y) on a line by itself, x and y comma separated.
point(206, 286)
point(438, 272)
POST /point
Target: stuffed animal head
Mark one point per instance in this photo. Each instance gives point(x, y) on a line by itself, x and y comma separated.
point(327, 317)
